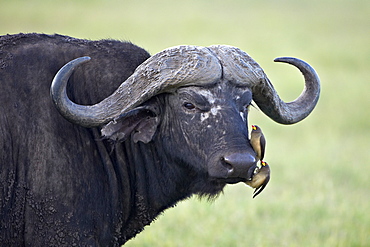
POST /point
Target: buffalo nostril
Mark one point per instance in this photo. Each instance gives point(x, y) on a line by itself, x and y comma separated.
point(227, 165)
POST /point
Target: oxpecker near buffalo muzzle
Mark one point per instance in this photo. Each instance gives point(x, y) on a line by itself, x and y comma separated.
point(260, 179)
point(262, 175)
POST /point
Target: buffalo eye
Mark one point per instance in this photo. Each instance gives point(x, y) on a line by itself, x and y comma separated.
point(189, 106)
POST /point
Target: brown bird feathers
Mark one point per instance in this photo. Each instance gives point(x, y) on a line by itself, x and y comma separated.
point(262, 174)
point(258, 142)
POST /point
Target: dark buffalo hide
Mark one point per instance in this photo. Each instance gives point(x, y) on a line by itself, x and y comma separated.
point(65, 185)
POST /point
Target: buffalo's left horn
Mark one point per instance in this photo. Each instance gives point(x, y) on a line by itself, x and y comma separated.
point(163, 72)
point(241, 69)
point(270, 103)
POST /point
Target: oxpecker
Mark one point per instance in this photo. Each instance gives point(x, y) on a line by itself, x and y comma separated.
point(260, 179)
point(258, 141)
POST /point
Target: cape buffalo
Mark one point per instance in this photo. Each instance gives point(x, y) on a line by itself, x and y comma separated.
point(143, 133)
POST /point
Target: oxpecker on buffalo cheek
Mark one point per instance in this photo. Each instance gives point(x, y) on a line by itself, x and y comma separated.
point(258, 142)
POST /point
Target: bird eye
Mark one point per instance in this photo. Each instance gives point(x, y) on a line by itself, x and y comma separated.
point(189, 106)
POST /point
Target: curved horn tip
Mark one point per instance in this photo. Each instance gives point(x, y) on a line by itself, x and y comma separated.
point(74, 63)
point(296, 62)
point(291, 60)
point(300, 108)
point(64, 73)
point(284, 59)
point(58, 90)
point(80, 60)
point(303, 66)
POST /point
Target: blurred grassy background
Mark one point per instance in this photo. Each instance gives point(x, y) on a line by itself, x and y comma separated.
point(319, 192)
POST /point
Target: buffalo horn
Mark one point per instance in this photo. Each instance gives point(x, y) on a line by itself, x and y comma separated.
point(186, 66)
point(241, 69)
point(163, 72)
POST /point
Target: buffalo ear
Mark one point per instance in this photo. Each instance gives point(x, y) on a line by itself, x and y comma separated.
point(141, 123)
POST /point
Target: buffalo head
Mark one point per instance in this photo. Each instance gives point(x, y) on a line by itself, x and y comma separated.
point(195, 99)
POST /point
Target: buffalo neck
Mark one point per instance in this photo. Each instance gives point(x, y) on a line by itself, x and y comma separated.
point(142, 179)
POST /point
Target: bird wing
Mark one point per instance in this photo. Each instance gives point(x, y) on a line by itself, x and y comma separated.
point(262, 187)
point(263, 146)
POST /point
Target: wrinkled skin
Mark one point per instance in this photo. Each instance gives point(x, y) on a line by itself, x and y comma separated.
point(65, 185)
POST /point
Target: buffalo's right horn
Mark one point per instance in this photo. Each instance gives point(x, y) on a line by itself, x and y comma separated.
point(163, 72)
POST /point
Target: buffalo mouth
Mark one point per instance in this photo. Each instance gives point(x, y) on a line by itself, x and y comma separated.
point(250, 174)
point(234, 180)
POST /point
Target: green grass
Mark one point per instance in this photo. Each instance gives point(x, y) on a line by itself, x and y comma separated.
point(319, 191)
